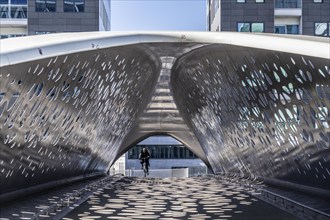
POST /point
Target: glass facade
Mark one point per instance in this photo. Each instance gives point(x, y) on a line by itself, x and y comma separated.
point(46, 5)
point(287, 3)
point(15, 9)
point(74, 5)
point(162, 152)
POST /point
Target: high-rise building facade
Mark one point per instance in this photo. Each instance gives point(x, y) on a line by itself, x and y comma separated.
point(13, 18)
point(307, 17)
point(53, 16)
point(31, 17)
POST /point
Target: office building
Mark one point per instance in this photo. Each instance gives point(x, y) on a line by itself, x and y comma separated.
point(22, 17)
point(13, 22)
point(307, 17)
point(53, 16)
point(165, 153)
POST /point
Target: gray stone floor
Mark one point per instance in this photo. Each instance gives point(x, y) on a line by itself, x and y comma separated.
point(186, 198)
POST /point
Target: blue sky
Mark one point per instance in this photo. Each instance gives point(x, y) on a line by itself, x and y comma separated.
point(176, 15)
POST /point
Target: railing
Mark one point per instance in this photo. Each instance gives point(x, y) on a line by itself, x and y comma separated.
point(287, 3)
point(255, 187)
point(290, 205)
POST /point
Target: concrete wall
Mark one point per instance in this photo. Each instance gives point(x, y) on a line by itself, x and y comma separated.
point(60, 21)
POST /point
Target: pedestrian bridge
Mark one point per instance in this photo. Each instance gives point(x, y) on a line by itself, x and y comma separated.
point(248, 104)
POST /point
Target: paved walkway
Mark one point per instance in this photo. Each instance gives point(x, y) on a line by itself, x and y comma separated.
point(188, 198)
point(27, 207)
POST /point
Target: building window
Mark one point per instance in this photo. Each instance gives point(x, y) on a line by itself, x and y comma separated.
point(260, 1)
point(4, 11)
point(287, 29)
point(318, 1)
point(292, 29)
point(250, 27)
point(16, 9)
point(321, 29)
point(240, 1)
point(162, 152)
point(10, 36)
point(45, 5)
point(243, 27)
point(280, 30)
point(44, 32)
point(257, 27)
point(287, 3)
point(74, 5)
point(16, 2)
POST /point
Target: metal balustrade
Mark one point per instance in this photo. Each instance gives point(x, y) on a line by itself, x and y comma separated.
point(256, 188)
point(291, 206)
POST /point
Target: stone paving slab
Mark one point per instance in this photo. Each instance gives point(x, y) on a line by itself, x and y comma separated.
point(186, 198)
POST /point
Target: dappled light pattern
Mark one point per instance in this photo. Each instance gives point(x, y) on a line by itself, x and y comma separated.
point(190, 198)
point(258, 112)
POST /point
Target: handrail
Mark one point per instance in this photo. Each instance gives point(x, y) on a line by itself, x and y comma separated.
point(260, 190)
point(295, 202)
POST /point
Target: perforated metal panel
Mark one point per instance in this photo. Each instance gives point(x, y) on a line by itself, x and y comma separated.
point(251, 104)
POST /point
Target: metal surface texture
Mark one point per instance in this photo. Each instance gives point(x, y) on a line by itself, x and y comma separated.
point(253, 104)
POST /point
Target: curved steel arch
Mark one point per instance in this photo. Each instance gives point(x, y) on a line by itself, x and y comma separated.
point(246, 103)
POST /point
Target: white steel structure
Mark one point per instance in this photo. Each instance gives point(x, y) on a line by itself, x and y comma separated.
point(245, 104)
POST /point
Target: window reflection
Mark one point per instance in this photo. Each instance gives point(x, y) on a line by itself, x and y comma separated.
point(287, 29)
point(243, 27)
point(257, 27)
point(16, 9)
point(18, 12)
point(45, 5)
point(74, 5)
point(321, 29)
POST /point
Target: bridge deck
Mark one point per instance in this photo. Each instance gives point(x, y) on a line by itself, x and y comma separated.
point(117, 197)
point(189, 198)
